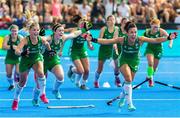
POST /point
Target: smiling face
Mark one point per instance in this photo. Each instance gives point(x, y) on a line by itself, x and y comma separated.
point(34, 30)
point(14, 30)
point(155, 25)
point(132, 34)
point(59, 31)
point(155, 28)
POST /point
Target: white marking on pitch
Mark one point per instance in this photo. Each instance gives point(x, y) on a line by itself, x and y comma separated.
point(93, 99)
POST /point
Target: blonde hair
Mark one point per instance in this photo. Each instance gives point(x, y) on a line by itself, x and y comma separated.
point(155, 21)
point(13, 26)
point(33, 25)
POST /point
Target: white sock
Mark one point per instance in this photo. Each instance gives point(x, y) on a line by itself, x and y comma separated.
point(97, 75)
point(57, 84)
point(128, 92)
point(42, 85)
point(36, 93)
point(10, 80)
point(73, 69)
point(84, 82)
point(18, 91)
point(78, 78)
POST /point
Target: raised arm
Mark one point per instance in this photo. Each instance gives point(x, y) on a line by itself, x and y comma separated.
point(86, 27)
point(104, 41)
point(171, 36)
point(72, 35)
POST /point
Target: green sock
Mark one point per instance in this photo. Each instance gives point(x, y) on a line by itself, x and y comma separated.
point(150, 71)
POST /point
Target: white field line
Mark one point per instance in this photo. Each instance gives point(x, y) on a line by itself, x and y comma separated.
point(93, 99)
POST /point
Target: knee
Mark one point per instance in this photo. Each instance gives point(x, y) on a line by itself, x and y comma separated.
point(22, 81)
point(81, 72)
point(150, 63)
point(128, 78)
point(60, 78)
point(41, 75)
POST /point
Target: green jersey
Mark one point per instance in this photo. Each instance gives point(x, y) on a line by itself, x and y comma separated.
point(51, 61)
point(34, 55)
point(78, 50)
point(78, 44)
point(130, 54)
point(11, 57)
point(120, 34)
point(154, 49)
point(148, 34)
point(105, 51)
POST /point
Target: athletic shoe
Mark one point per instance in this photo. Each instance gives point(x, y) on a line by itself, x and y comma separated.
point(84, 87)
point(118, 82)
point(151, 82)
point(44, 99)
point(122, 102)
point(96, 84)
point(11, 87)
point(15, 105)
point(69, 74)
point(131, 108)
point(35, 102)
point(57, 94)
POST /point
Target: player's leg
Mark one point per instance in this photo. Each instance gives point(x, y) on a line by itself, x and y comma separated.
point(19, 88)
point(150, 69)
point(85, 63)
point(9, 69)
point(16, 73)
point(39, 69)
point(127, 87)
point(98, 73)
point(78, 70)
point(116, 73)
point(59, 73)
point(156, 63)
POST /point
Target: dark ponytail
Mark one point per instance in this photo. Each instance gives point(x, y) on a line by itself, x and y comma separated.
point(54, 28)
point(129, 25)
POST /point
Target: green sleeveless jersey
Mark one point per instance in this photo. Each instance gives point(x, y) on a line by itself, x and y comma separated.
point(121, 34)
point(130, 55)
point(51, 61)
point(106, 51)
point(107, 35)
point(148, 34)
point(11, 53)
point(34, 49)
point(33, 57)
point(130, 51)
point(78, 44)
point(55, 47)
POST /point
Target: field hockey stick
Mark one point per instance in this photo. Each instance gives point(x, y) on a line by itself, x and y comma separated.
point(168, 85)
point(70, 107)
point(118, 97)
